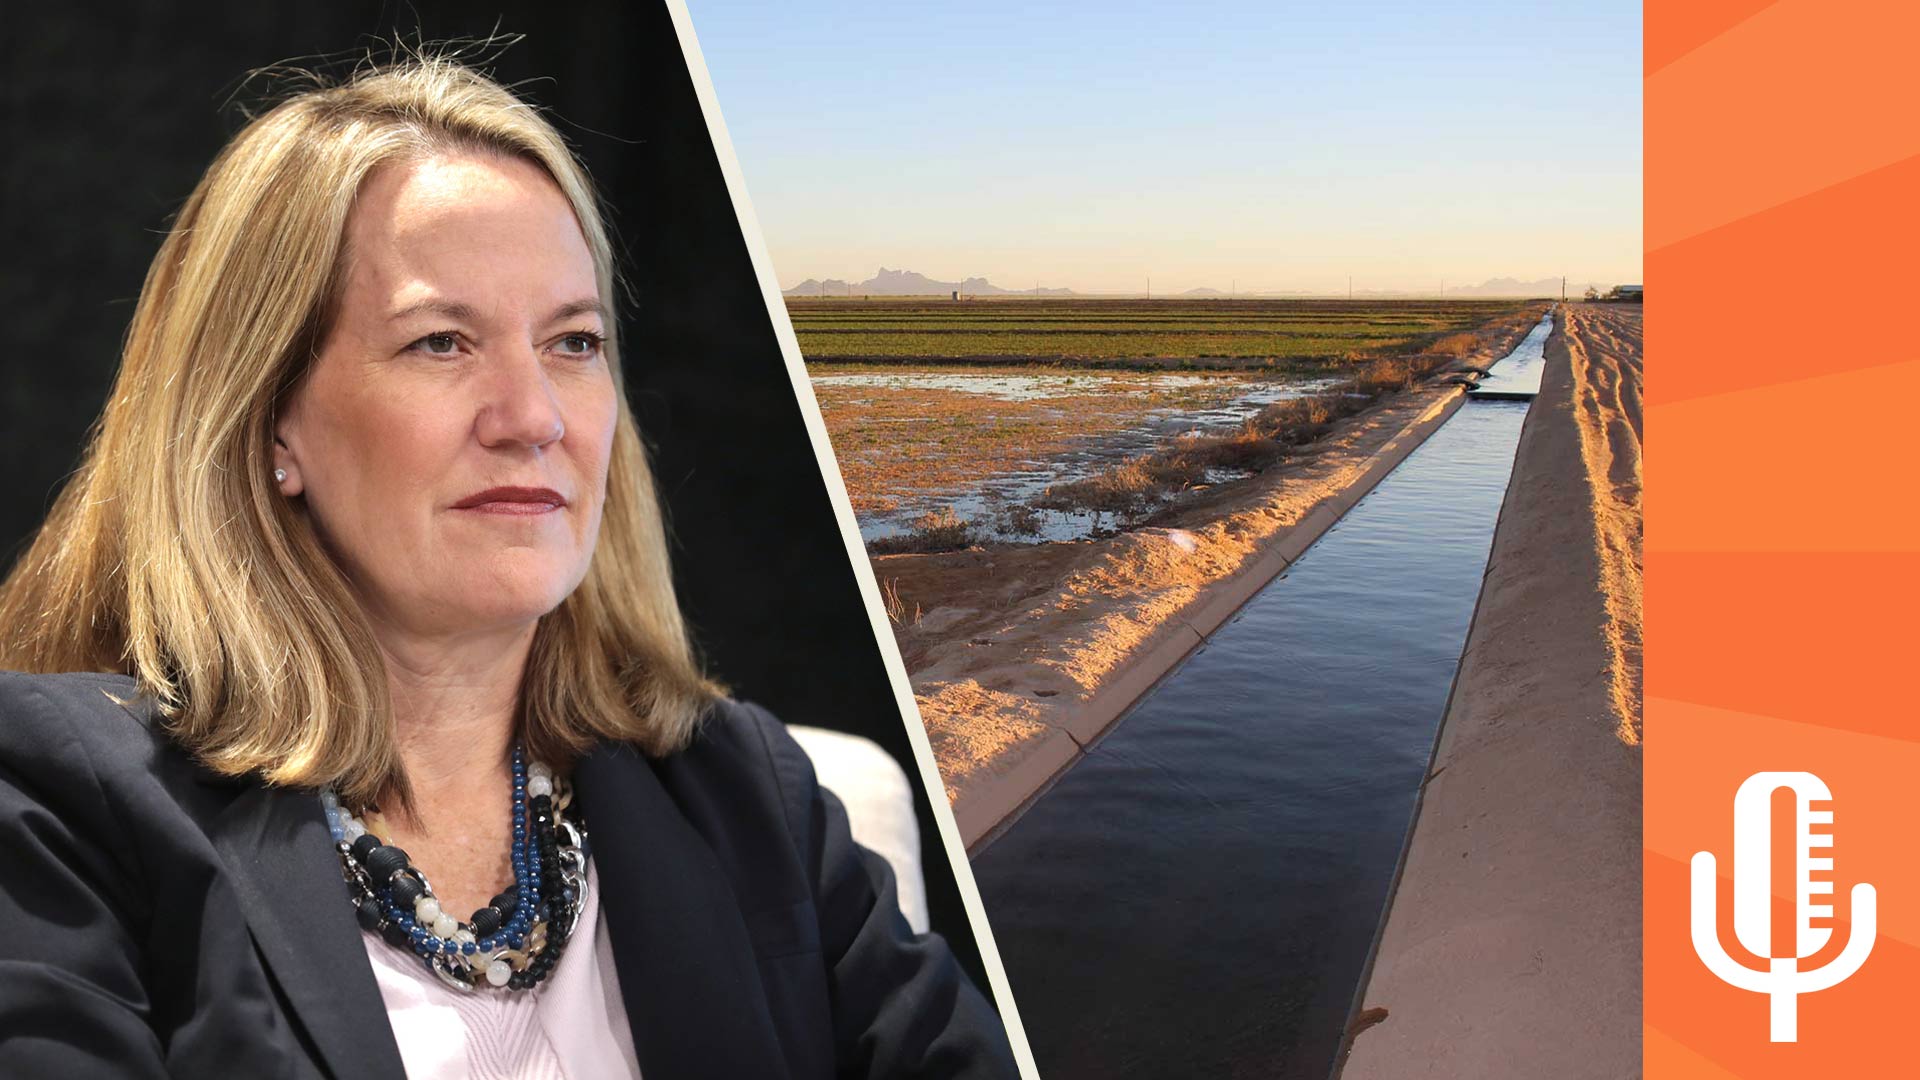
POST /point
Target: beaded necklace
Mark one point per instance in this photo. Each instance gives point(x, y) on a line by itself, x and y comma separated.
point(514, 941)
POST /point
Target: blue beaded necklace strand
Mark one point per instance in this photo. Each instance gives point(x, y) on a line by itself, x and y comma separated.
point(511, 943)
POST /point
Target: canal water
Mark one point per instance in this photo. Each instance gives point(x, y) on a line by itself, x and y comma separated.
point(1197, 896)
point(1519, 372)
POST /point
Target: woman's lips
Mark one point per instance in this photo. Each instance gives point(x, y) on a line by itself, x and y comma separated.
point(516, 501)
point(518, 509)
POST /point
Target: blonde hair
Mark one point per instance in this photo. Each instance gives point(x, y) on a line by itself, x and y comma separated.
point(170, 556)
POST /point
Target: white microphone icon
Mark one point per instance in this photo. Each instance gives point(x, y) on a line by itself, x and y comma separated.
point(1753, 898)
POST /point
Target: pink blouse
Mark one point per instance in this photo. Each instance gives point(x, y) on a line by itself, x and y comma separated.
point(572, 1026)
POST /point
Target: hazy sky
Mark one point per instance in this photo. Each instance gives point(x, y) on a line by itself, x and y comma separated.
point(1280, 145)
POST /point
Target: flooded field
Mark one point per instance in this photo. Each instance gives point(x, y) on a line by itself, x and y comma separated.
point(953, 421)
point(981, 445)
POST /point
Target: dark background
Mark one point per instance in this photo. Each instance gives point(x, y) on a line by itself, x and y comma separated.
point(107, 122)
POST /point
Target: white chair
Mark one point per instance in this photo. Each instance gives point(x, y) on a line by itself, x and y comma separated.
point(879, 804)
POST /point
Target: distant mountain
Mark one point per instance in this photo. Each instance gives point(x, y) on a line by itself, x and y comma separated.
point(910, 283)
point(1506, 286)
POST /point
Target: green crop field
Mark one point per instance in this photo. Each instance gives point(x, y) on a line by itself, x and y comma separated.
point(1154, 333)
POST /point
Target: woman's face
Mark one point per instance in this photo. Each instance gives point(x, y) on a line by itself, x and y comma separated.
point(465, 357)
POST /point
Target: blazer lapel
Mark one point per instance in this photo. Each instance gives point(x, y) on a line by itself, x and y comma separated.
point(275, 845)
point(687, 971)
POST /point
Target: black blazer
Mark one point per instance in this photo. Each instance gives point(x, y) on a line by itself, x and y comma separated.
point(158, 919)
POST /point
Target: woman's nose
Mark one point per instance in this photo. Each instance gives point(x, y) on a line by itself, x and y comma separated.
point(519, 408)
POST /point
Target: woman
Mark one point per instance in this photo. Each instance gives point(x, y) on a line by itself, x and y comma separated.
point(357, 618)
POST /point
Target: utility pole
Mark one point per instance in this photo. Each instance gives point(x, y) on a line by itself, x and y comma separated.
point(1563, 288)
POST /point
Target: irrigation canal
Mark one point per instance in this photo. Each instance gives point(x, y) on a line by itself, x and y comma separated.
point(1197, 896)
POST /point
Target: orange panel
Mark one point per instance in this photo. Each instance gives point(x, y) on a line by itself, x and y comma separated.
point(1673, 30)
point(1802, 95)
point(1783, 550)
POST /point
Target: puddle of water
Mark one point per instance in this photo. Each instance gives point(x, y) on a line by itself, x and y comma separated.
point(987, 507)
point(1015, 387)
point(1000, 513)
point(1196, 896)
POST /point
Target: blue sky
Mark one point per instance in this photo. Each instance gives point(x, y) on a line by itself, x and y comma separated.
point(1271, 146)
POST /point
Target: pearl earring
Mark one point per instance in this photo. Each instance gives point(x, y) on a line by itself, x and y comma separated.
point(279, 476)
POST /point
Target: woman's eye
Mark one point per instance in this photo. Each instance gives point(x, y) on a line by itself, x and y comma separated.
point(441, 344)
point(580, 344)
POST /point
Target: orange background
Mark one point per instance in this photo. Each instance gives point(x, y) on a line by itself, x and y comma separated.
point(1783, 539)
